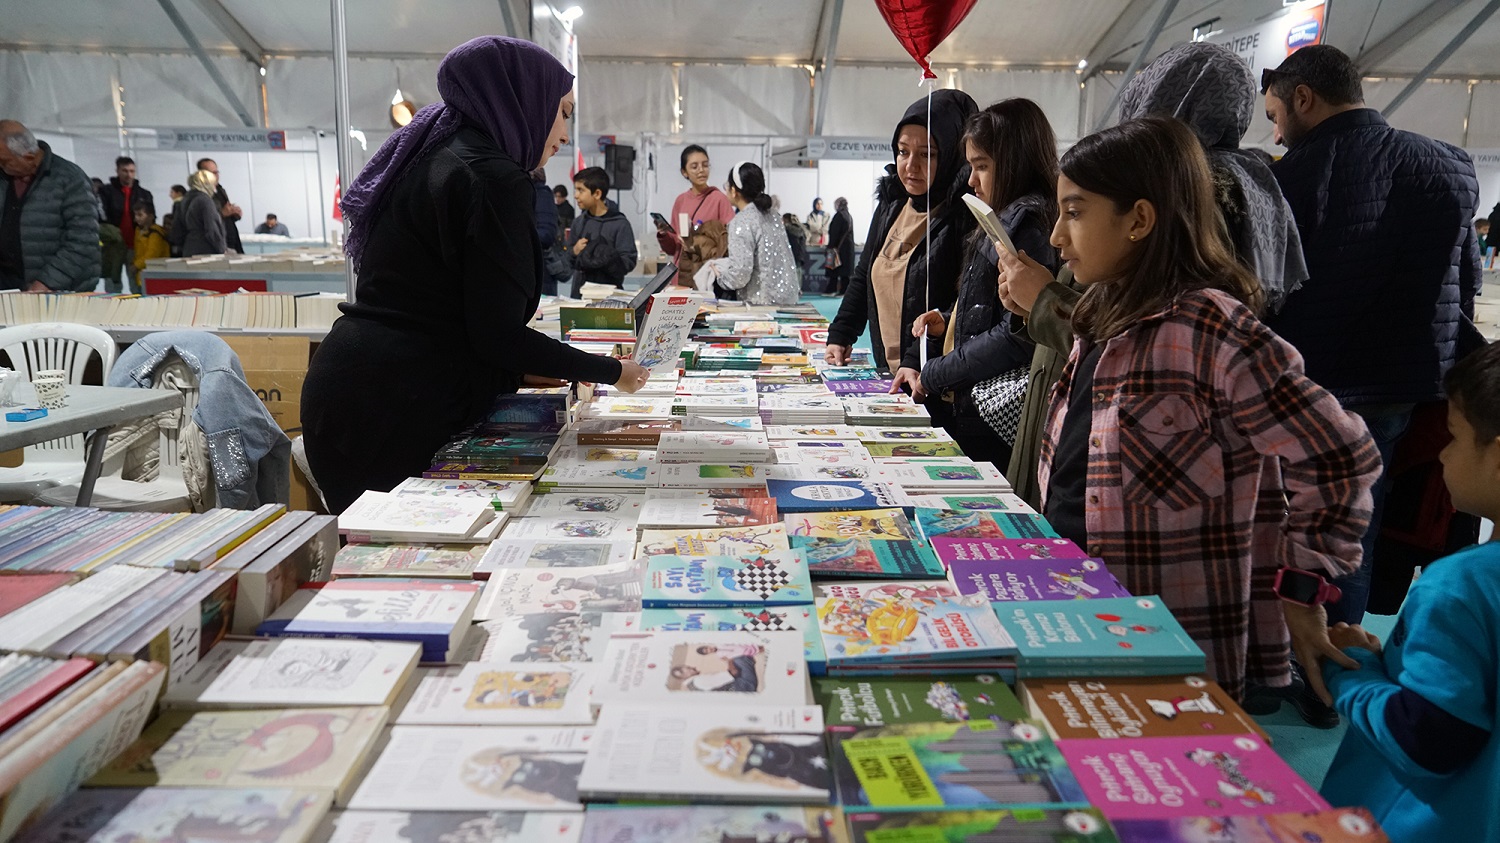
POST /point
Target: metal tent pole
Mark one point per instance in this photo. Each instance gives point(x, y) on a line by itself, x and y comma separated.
point(341, 120)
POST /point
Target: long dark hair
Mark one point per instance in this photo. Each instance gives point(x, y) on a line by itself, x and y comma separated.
point(1015, 134)
point(750, 181)
point(1159, 160)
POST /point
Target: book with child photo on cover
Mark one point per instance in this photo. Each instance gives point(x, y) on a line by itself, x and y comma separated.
point(748, 667)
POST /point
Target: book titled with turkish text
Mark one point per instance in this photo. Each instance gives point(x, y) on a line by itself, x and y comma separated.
point(1112, 636)
point(1135, 707)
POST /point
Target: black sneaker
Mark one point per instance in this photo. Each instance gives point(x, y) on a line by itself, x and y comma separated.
point(1313, 710)
point(1263, 700)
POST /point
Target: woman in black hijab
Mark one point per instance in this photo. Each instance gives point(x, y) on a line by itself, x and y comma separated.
point(905, 269)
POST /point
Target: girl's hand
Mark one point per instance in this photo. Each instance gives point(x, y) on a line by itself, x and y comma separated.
point(632, 376)
point(912, 377)
point(1021, 281)
point(1344, 636)
point(931, 321)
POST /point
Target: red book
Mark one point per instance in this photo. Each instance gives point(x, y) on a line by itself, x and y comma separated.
point(16, 590)
point(44, 688)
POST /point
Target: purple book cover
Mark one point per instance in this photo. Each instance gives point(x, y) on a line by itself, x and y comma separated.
point(1035, 579)
point(951, 549)
point(859, 387)
point(1158, 778)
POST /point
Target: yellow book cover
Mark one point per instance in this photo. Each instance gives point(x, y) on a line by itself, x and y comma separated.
point(876, 524)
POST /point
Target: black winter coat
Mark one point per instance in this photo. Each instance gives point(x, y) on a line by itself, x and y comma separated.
point(113, 197)
point(841, 237)
point(1386, 222)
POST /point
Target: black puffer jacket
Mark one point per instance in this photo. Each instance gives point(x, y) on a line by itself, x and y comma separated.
point(1386, 222)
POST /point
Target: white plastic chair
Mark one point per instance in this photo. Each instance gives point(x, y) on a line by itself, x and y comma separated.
point(34, 348)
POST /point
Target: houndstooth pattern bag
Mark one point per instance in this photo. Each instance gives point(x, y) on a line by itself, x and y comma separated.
point(1000, 401)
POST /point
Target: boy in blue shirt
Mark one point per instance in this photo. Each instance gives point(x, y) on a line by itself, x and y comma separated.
point(1420, 751)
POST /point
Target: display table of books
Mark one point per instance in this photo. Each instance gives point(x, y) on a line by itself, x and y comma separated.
point(755, 601)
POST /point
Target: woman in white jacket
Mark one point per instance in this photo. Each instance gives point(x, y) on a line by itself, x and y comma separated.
point(760, 262)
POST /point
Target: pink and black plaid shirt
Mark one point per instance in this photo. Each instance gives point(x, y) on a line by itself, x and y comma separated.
point(1214, 461)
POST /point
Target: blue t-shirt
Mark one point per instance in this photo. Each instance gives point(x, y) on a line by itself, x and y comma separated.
point(1446, 648)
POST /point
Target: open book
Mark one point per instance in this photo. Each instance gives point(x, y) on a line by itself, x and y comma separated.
point(990, 222)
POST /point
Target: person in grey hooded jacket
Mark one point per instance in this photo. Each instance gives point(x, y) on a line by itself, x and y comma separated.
point(601, 239)
point(49, 231)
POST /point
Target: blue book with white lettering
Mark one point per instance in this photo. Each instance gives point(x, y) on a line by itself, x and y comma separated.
point(777, 578)
point(804, 496)
point(1111, 636)
point(432, 613)
point(748, 618)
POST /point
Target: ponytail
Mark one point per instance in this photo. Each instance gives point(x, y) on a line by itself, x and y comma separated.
point(750, 181)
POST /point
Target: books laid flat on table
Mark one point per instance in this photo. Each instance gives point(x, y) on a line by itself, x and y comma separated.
point(1135, 707)
point(383, 517)
point(140, 815)
point(686, 823)
point(502, 494)
point(729, 752)
point(879, 702)
point(1007, 580)
point(544, 553)
point(1335, 825)
point(942, 477)
point(1024, 825)
point(749, 619)
point(873, 524)
point(491, 694)
point(709, 476)
point(434, 614)
point(772, 579)
point(713, 447)
point(793, 496)
point(666, 513)
point(592, 526)
point(694, 668)
point(520, 591)
point(547, 637)
point(411, 826)
point(593, 475)
point(981, 524)
point(870, 435)
point(781, 432)
point(457, 561)
point(714, 541)
point(295, 673)
point(997, 502)
point(867, 558)
point(1113, 636)
point(615, 504)
point(951, 549)
point(867, 624)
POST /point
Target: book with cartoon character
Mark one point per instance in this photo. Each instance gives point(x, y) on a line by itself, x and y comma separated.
point(520, 591)
point(294, 673)
point(550, 553)
point(546, 637)
point(614, 504)
point(457, 561)
point(1135, 707)
point(1213, 775)
point(434, 614)
point(385, 517)
point(1335, 825)
point(1024, 825)
point(476, 768)
point(872, 524)
point(951, 549)
point(585, 526)
point(711, 824)
point(714, 541)
point(779, 578)
point(703, 668)
point(491, 694)
point(1112, 636)
point(502, 494)
point(727, 752)
point(710, 475)
point(981, 524)
point(873, 623)
point(748, 618)
point(594, 475)
point(868, 558)
point(672, 513)
point(945, 476)
point(1006, 580)
point(669, 320)
point(997, 502)
point(161, 814)
point(880, 702)
point(724, 446)
point(455, 826)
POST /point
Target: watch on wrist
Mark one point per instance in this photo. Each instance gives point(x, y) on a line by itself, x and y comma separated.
point(1305, 588)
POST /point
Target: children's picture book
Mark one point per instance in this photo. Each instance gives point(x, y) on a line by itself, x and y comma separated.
point(1135, 707)
point(795, 497)
point(295, 672)
point(382, 516)
point(782, 432)
point(613, 504)
point(749, 619)
point(699, 423)
point(624, 434)
point(727, 752)
point(598, 474)
point(502, 494)
point(823, 452)
point(995, 502)
point(710, 824)
point(1162, 778)
point(952, 766)
point(491, 694)
point(669, 320)
point(870, 435)
point(866, 558)
point(301, 748)
point(520, 591)
point(592, 526)
point(709, 475)
point(546, 637)
point(811, 472)
point(505, 553)
point(875, 622)
point(872, 524)
point(944, 476)
point(162, 814)
point(601, 453)
point(951, 549)
point(666, 513)
point(454, 826)
point(433, 613)
point(1335, 825)
point(716, 386)
point(631, 408)
point(1023, 825)
point(772, 579)
point(457, 561)
point(476, 768)
point(714, 447)
point(1112, 636)
point(884, 450)
point(881, 702)
point(748, 667)
point(715, 541)
point(1007, 580)
point(981, 524)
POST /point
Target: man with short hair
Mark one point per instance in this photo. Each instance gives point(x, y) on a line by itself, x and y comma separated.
point(227, 209)
point(1386, 222)
point(273, 226)
point(49, 233)
point(120, 197)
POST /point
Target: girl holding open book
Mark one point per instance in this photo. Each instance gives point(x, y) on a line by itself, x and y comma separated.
point(1185, 445)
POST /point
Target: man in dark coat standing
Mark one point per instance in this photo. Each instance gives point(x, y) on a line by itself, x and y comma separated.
point(228, 210)
point(120, 197)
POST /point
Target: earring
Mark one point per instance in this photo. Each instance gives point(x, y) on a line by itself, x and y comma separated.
point(1132, 237)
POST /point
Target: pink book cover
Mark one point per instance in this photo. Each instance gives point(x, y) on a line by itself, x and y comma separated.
point(1218, 775)
point(951, 549)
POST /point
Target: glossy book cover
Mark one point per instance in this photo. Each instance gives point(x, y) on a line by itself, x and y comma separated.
point(982, 524)
point(866, 623)
point(881, 702)
point(772, 579)
point(1011, 580)
point(1135, 707)
point(1113, 636)
point(866, 558)
point(748, 618)
point(1019, 825)
point(951, 549)
point(1336, 825)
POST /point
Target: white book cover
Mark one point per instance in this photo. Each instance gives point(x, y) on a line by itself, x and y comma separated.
point(716, 386)
point(456, 826)
point(901, 434)
point(593, 526)
point(629, 407)
point(509, 494)
point(944, 475)
point(547, 637)
point(777, 432)
point(520, 591)
point(713, 446)
point(715, 541)
point(812, 471)
point(991, 502)
point(296, 672)
point(710, 475)
point(682, 667)
point(692, 421)
point(989, 222)
point(894, 412)
point(711, 404)
point(613, 504)
point(476, 768)
point(431, 518)
point(547, 553)
point(669, 320)
point(801, 403)
point(727, 752)
point(667, 513)
point(615, 476)
point(823, 452)
point(499, 694)
point(602, 453)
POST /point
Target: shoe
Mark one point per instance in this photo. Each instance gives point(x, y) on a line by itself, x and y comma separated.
point(1313, 710)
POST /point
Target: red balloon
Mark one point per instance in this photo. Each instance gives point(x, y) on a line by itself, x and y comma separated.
point(921, 25)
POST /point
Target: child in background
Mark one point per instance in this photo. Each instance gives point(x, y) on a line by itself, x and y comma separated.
point(1185, 445)
point(1420, 751)
point(150, 242)
point(601, 240)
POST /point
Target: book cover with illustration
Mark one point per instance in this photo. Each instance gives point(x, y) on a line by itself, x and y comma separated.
point(601, 453)
point(944, 475)
point(876, 622)
point(711, 824)
point(714, 447)
point(598, 474)
point(951, 549)
point(505, 553)
point(667, 513)
point(981, 524)
point(451, 827)
point(823, 452)
point(936, 766)
point(772, 579)
point(866, 558)
point(802, 619)
point(729, 752)
point(882, 702)
point(476, 768)
point(391, 517)
point(1112, 636)
point(432, 613)
point(696, 423)
point(490, 694)
point(715, 541)
point(872, 524)
point(295, 672)
point(613, 504)
point(624, 434)
point(780, 432)
point(311, 747)
point(173, 814)
point(520, 591)
point(709, 475)
point(1335, 825)
point(1021, 825)
point(716, 386)
point(860, 387)
point(456, 561)
point(811, 472)
point(1206, 775)
point(901, 434)
point(886, 450)
point(793, 497)
point(1135, 707)
point(994, 502)
point(693, 667)
point(502, 494)
point(592, 526)
point(669, 320)
point(546, 637)
point(1007, 580)
point(630, 408)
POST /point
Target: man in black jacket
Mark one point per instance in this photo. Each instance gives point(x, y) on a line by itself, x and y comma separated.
point(1386, 222)
point(119, 198)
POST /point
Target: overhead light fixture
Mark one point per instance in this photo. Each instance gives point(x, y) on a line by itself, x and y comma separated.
point(262, 70)
point(1083, 63)
point(570, 14)
point(402, 109)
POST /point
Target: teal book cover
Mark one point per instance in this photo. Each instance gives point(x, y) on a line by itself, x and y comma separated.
point(748, 618)
point(778, 578)
point(982, 524)
point(1112, 636)
point(881, 559)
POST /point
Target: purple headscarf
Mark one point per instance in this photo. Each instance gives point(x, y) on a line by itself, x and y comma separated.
point(507, 86)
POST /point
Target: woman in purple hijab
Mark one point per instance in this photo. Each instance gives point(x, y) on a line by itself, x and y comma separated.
point(443, 241)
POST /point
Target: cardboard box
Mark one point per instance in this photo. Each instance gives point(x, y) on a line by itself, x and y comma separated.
point(303, 498)
point(275, 368)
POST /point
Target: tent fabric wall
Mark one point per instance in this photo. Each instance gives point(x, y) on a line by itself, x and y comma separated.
point(56, 89)
point(624, 98)
point(740, 99)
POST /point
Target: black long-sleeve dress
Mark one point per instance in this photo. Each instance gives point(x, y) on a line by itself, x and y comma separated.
point(449, 278)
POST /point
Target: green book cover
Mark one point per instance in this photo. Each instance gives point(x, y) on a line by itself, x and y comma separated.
point(878, 702)
point(1017, 825)
point(596, 318)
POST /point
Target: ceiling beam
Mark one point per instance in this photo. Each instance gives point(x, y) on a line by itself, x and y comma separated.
point(825, 64)
point(208, 64)
point(1140, 58)
point(1442, 55)
point(235, 31)
point(1409, 30)
point(1105, 47)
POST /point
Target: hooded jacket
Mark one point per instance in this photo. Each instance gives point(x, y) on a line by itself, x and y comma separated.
point(932, 274)
point(610, 253)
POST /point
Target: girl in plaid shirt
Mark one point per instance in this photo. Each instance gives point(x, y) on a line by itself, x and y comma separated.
point(1185, 444)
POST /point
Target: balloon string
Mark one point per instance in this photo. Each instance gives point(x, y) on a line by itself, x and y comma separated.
point(927, 237)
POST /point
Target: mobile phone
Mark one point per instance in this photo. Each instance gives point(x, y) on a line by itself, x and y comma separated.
point(661, 222)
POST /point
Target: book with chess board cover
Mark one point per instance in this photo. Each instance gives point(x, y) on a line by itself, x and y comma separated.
point(779, 578)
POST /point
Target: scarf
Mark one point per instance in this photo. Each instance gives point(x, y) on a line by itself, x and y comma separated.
point(950, 110)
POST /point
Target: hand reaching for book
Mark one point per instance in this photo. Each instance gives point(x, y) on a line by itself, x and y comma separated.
point(633, 376)
point(931, 322)
point(836, 355)
point(538, 380)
